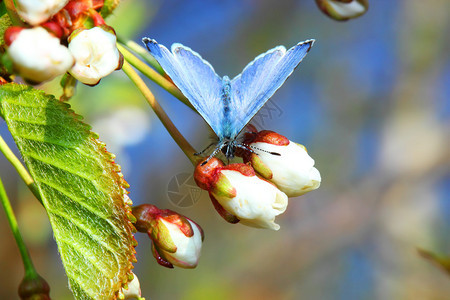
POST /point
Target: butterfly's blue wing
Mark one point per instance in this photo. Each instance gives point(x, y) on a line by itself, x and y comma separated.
point(260, 79)
point(195, 77)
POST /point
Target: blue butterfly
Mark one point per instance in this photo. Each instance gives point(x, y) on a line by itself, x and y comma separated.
point(228, 105)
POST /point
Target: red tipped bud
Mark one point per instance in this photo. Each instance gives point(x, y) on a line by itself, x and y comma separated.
point(97, 4)
point(77, 8)
point(11, 34)
point(176, 240)
point(239, 195)
point(54, 28)
point(230, 218)
point(284, 163)
point(160, 258)
point(96, 17)
point(205, 174)
point(265, 136)
point(244, 169)
point(145, 215)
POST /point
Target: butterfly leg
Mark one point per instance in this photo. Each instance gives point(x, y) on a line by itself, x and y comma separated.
point(218, 148)
point(204, 150)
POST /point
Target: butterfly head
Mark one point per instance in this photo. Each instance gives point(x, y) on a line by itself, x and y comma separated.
point(227, 146)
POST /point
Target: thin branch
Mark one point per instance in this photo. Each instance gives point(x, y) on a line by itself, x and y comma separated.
point(23, 173)
point(30, 271)
point(176, 135)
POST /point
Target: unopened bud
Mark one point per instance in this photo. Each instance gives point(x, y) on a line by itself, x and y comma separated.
point(240, 196)
point(96, 54)
point(205, 173)
point(53, 28)
point(37, 55)
point(34, 289)
point(343, 10)
point(35, 12)
point(132, 290)
point(11, 34)
point(283, 162)
point(176, 239)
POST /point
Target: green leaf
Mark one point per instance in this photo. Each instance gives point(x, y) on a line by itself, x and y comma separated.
point(80, 186)
point(108, 7)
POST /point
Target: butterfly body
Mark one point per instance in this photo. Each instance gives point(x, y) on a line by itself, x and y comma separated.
point(227, 105)
point(226, 99)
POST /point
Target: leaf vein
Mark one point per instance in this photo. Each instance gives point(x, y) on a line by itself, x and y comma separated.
point(59, 166)
point(52, 142)
point(75, 199)
point(36, 122)
point(90, 234)
point(92, 294)
point(83, 253)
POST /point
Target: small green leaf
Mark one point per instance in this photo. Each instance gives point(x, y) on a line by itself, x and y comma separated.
point(80, 186)
point(108, 7)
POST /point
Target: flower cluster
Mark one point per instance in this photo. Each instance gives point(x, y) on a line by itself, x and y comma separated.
point(65, 36)
point(176, 239)
point(252, 193)
point(255, 192)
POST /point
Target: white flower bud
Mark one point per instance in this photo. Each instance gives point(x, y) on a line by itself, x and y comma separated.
point(253, 201)
point(188, 249)
point(343, 10)
point(292, 171)
point(347, 10)
point(96, 55)
point(134, 290)
point(176, 240)
point(38, 56)
point(38, 11)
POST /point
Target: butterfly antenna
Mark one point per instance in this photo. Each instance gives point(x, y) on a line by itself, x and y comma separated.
point(245, 147)
point(250, 149)
point(259, 149)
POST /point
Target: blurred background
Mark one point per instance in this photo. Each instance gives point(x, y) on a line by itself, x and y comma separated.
point(371, 104)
